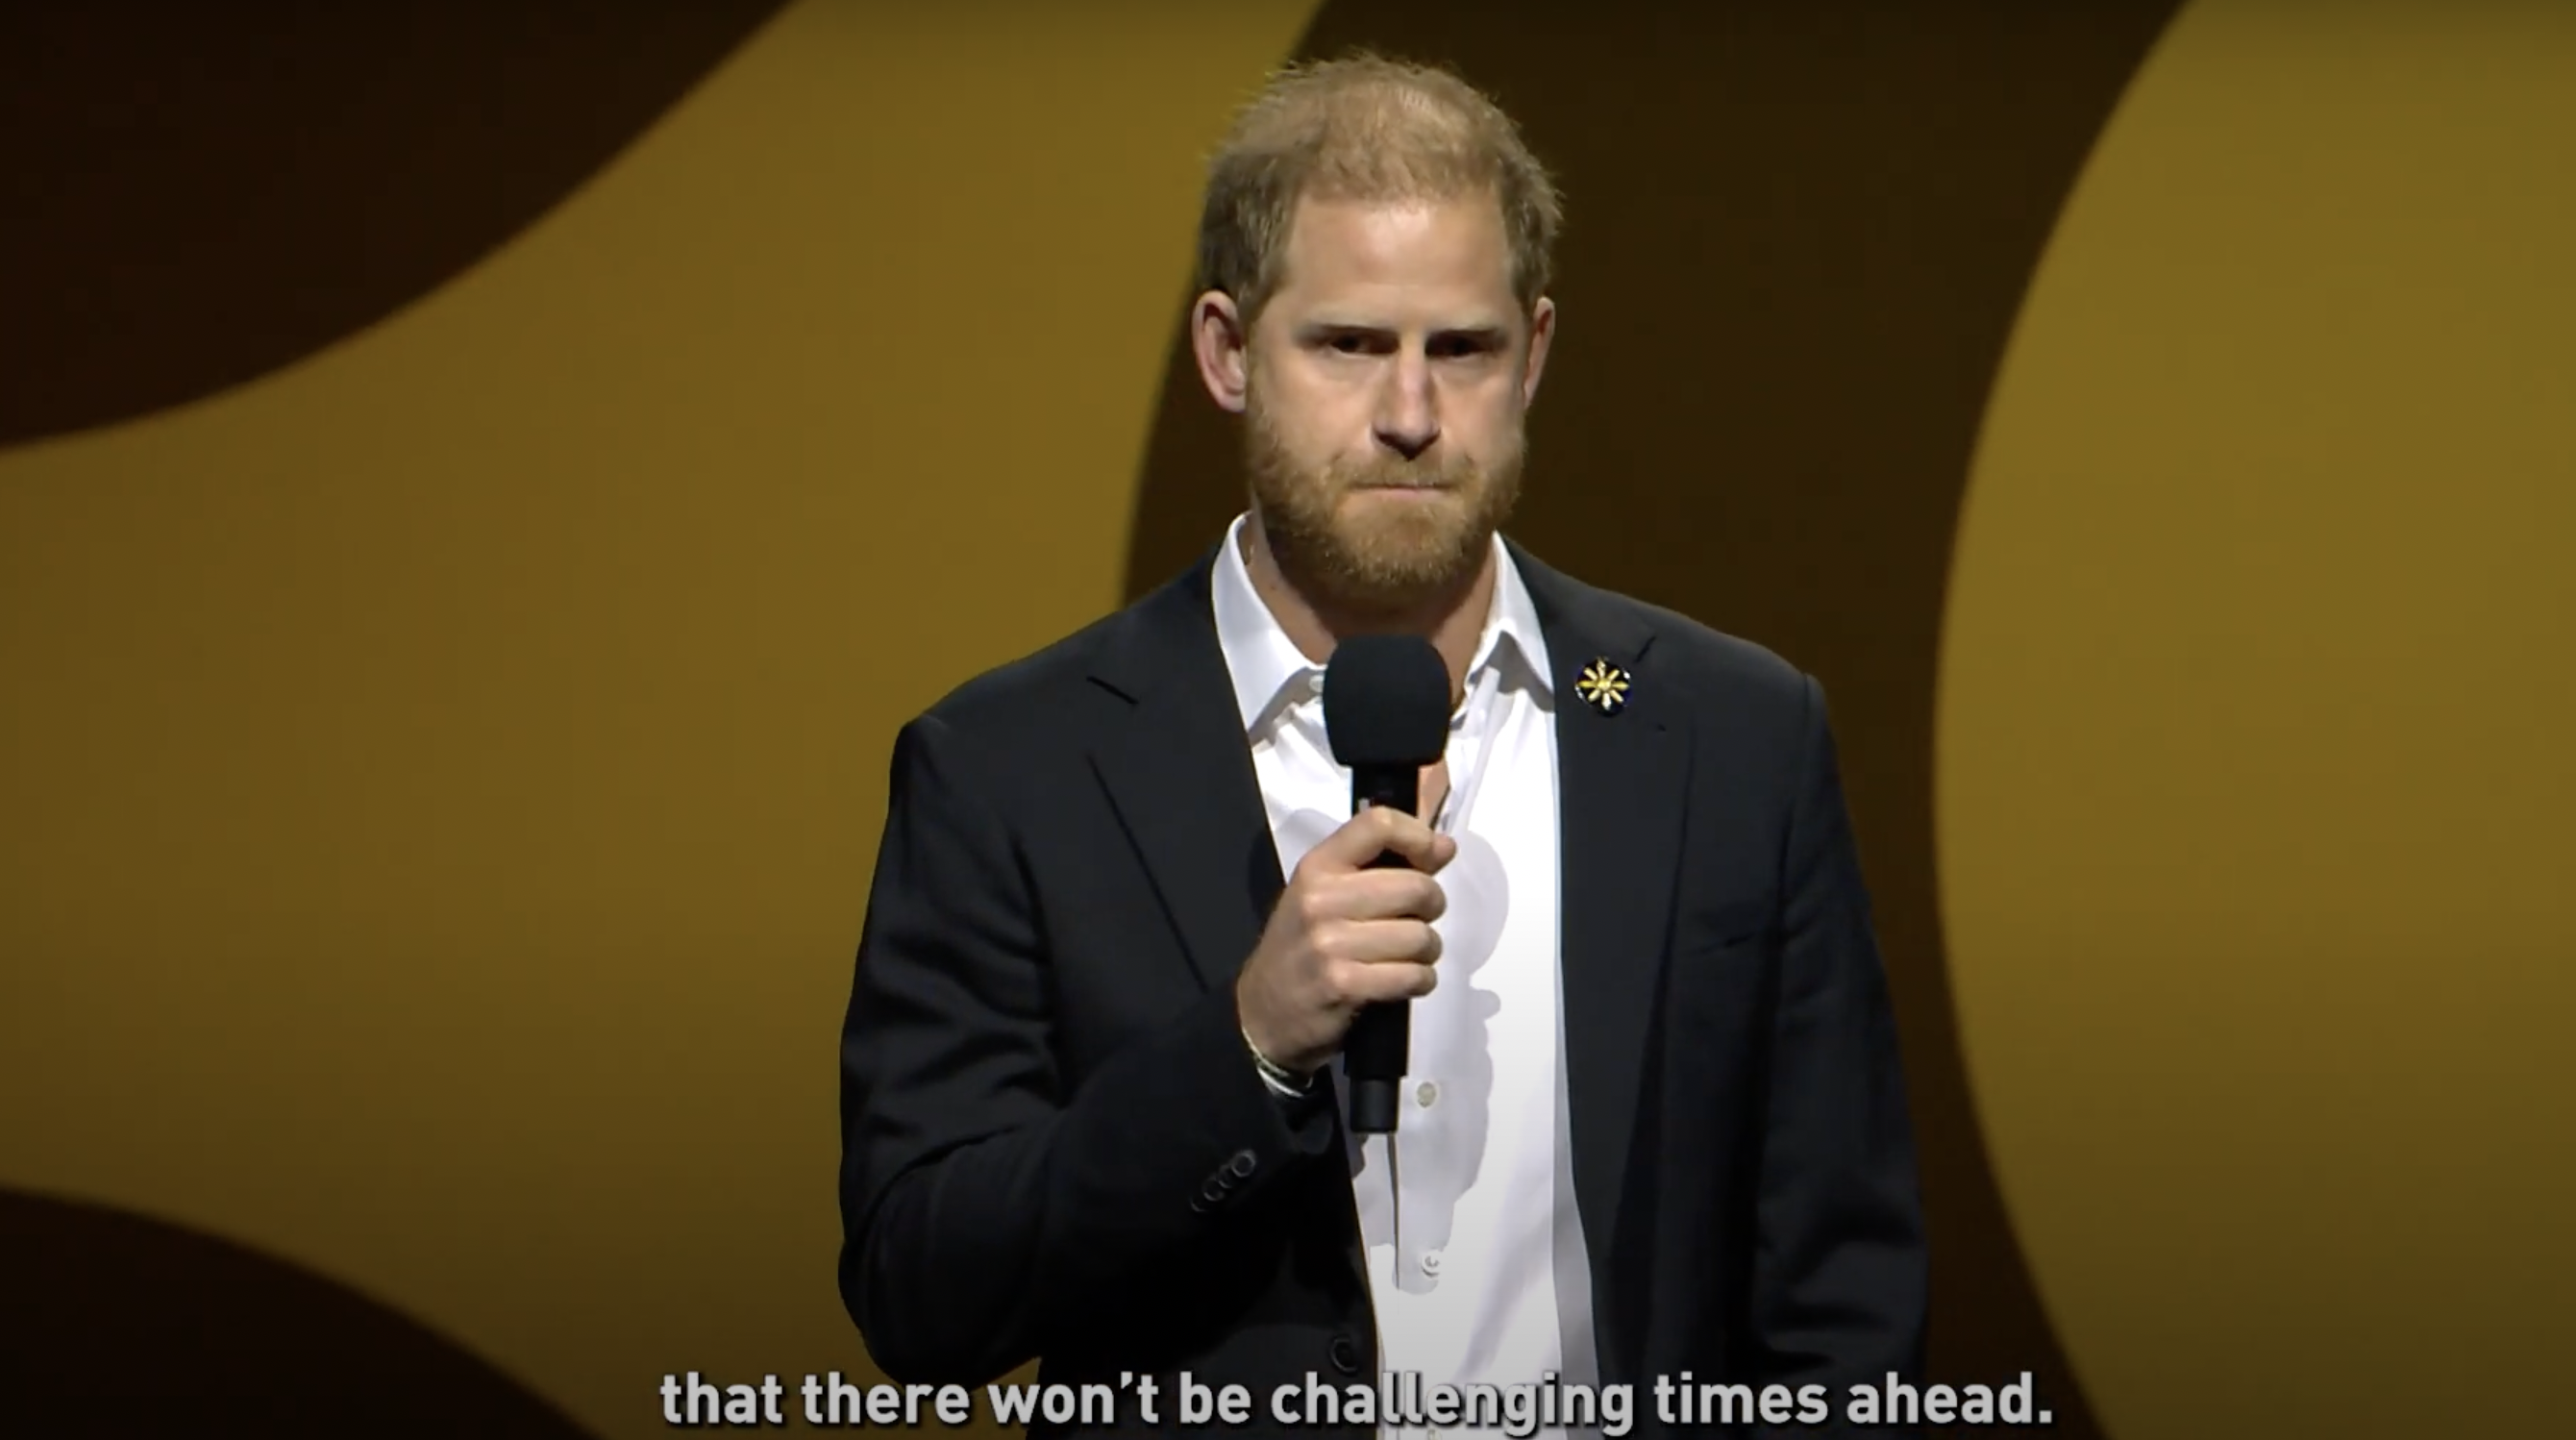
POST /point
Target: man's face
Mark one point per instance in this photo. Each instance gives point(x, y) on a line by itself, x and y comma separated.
point(1387, 381)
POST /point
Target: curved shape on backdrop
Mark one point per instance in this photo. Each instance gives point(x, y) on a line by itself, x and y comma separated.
point(1830, 213)
point(442, 776)
point(159, 1330)
point(201, 198)
point(2255, 704)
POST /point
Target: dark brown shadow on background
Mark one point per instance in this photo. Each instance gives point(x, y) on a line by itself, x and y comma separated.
point(1798, 234)
point(197, 195)
point(112, 1325)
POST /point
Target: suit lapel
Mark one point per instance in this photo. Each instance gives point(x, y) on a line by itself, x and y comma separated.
point(1180, 776)
point(1620, 785)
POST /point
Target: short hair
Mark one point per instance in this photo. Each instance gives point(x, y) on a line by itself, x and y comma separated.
point(1367, 128)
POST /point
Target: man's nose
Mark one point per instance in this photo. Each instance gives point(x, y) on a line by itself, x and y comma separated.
point(1408, 419)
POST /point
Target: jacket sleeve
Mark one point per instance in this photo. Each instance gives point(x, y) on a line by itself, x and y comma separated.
point(984, 1197)
point(1840, 1269)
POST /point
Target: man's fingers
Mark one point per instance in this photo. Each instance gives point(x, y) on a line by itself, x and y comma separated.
point(1363, 984)
point(1376, 831)
point(1426, 849)
point(1379, 942)
point(1442, 850)
point(1381, 895)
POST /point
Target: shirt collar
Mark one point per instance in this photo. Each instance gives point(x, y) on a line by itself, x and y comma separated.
point(1270, 673)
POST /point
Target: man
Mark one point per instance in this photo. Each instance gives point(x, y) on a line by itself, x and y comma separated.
point(1654, 1123)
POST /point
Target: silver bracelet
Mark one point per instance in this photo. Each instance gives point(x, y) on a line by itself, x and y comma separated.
point(1273, 1071)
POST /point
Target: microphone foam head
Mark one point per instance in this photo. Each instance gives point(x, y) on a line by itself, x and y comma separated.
point(1386, 701)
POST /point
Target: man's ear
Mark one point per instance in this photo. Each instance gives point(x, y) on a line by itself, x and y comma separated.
point(1542, 333)
point(1219, 339)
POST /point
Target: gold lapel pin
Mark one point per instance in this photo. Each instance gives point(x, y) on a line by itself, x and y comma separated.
point(1603, 686)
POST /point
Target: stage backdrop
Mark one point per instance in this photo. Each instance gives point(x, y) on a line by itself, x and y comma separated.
point(481, 485)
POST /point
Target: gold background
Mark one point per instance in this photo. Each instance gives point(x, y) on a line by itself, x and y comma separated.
point(453, 635)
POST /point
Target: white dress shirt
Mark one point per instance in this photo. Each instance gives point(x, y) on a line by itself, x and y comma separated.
point(1475, 1253)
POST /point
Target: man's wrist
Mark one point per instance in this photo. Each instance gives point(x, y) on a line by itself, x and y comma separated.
point(1282, 1080)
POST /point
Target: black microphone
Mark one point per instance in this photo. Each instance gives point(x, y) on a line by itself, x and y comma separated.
point(1386, 712)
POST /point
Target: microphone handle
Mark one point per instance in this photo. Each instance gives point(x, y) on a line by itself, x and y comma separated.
point(1373, 1057)
point(1381, 1036)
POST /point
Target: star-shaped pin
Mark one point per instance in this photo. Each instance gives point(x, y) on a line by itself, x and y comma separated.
point(1603, 686)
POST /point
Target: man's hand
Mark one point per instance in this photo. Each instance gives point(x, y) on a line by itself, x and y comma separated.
point(1344, 936)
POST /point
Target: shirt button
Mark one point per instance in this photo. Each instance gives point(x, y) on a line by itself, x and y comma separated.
point(1425, 1093)
point(1314, 684)
point(1431, 1262)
